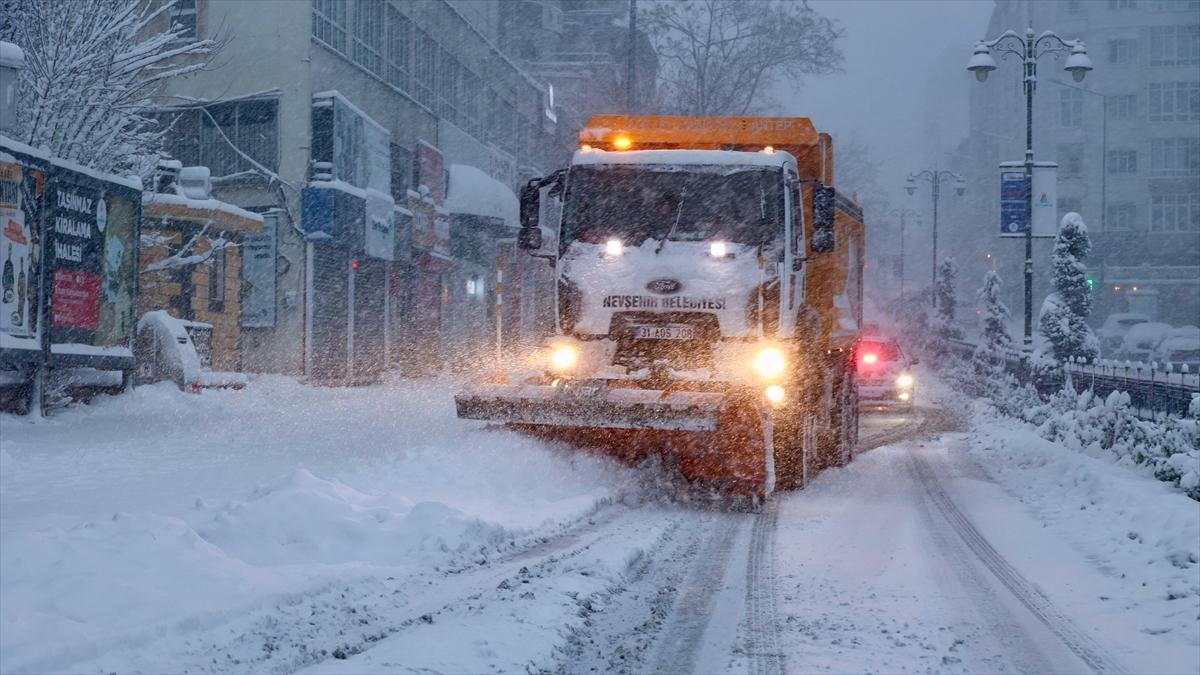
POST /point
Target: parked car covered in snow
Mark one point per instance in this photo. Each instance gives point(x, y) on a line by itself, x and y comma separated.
point(1115, 327)
point(884, 374)
point(1141, 340)
point(1180, 347)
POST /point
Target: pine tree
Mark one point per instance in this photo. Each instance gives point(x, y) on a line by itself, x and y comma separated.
point(996, 338)
point(946, 300)
point(1063, 319)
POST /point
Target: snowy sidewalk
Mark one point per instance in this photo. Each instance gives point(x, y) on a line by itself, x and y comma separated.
point(124, 520)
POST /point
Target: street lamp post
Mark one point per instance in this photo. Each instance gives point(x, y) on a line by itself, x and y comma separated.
point(935, 177)
point(903, 213)
point(1029, 49)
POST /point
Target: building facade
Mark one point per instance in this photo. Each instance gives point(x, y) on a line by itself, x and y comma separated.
point(340, 119)
point(1127, 144)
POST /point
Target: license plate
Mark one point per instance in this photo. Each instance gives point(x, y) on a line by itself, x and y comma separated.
point(664, 331)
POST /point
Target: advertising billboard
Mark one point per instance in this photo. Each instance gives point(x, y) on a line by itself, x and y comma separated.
point(22, 185)
point(91, 260)
point(258, 275)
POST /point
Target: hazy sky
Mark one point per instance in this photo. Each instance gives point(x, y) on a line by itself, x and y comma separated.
point(903, 57)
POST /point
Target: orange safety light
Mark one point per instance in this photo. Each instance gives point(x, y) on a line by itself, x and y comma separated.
point(622, 142)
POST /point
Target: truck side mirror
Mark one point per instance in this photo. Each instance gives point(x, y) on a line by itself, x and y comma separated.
point(822, 241)
point(529, 204)
point(529, 238)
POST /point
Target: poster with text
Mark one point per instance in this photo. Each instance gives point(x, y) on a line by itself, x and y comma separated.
point(92, 258)
point(258, 275)
point(21, 189)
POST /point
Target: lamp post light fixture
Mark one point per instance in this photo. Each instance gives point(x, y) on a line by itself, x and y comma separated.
point(1029, 48)
point(935, 177)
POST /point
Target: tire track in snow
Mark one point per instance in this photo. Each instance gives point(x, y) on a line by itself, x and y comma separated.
point(762, 611)
point(1027, 593)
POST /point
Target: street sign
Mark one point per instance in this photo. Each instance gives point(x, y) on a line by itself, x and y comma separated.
point(1012, 204)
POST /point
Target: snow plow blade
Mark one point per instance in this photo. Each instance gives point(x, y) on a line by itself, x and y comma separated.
point(720, 440)
point(587, 404)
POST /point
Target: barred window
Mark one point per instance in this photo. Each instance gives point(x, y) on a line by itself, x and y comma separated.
point(1177, 45)
point(204, 137)
point(1121, 217)
point(1175, 213)
point(424, 65)
point(447, 86)
point(1122, 161)
point(329, 23)
point(399, 36)
point(1174, 101)
point(1122, 107)
point(1070, 111)
point(1122, 52)
point(1175, 156)
point(369, 33)
point(1122, 4)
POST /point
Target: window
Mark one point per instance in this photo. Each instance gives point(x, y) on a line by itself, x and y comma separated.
point(1122, 52)
point(1120, 217)
point(1175, 156)
point(1177, 5)
point(402, 173)
point(1122, 4)
point(399, 36)
point(1122, 107)
point(1070, 111)
point(1074, 6)
point(369, 33)
point(447, 86)
point(1070, 205)
point(1174, 101)
point(1177, 45)
point(424, 65)
point(329, 23)
point(216, 278)
point(203, 137)
point(1175, 213)
point(1122, 161)
point(1070, 160)
point(183, 19)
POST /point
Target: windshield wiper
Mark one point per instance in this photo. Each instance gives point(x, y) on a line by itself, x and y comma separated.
point(678, 213)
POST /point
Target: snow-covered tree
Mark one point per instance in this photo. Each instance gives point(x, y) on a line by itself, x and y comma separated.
point(92, 68)
point(946, 299)
point(718, 57)
point(996, 338)
point(1063, 319)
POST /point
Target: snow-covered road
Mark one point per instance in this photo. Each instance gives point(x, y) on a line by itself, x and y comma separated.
point(416, 542)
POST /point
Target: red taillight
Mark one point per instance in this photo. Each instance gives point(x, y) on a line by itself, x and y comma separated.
point(869, 359)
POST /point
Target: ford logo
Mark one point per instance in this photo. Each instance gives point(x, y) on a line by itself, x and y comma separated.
point(664, 286)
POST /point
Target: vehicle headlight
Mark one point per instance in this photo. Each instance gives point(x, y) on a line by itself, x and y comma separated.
point(905, 380)
point(563, 357)
point(717, 249)
point(614, 247)
point(769, 362)
point(775, 394)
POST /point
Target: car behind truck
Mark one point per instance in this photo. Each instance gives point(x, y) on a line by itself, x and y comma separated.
point(708, 301)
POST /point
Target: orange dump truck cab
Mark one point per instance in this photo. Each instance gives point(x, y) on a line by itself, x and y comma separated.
point(708, 299)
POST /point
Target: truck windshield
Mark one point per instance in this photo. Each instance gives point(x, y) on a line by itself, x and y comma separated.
point(635, 203)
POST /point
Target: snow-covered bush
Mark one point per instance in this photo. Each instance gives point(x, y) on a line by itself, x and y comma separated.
point(1063, 318)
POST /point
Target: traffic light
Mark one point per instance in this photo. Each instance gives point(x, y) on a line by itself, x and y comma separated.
point(1091, 281)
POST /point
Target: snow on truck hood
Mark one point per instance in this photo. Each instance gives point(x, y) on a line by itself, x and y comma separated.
point(619, 284)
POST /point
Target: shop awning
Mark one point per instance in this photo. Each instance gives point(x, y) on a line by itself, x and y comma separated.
point(222, 215)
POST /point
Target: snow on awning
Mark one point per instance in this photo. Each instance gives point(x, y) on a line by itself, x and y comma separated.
point(200, 211)
point(473, 192)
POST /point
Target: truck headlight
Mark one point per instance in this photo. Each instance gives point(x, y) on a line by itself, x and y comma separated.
point(614, 247)
point(905, 380)
point(769, 363)
point(775, 394)
point(563, 357)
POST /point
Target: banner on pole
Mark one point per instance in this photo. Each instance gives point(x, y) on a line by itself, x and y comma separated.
point(1013, 190)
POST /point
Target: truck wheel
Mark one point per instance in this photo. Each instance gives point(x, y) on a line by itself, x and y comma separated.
point(789, 448)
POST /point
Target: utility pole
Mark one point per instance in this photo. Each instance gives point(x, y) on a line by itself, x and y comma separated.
point(631, 59)
point(935, 177)
point(903, 213)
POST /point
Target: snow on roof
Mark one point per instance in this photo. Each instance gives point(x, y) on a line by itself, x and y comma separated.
point(685, 157)
point(161, 204)
point(475, 193)
point(11, 55)
point(334, 93)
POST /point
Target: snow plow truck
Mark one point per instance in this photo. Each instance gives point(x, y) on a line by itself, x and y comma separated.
point(708, 301)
